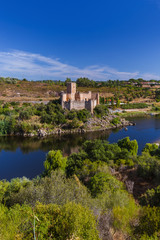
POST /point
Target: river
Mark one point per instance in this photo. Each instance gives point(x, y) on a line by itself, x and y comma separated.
point(25, 156)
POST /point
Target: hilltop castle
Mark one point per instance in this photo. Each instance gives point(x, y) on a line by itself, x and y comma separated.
point(78, 100)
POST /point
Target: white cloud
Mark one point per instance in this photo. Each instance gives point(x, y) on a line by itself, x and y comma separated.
point(35, 66)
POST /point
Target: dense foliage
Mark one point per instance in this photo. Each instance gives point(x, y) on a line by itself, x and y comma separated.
point(134, 105)
point(81, 196)
point(28, 118)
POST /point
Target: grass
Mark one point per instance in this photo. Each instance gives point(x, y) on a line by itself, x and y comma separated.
point(32, 91)
point(134, 114)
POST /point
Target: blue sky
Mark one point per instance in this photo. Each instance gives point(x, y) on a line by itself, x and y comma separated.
point(55, 39)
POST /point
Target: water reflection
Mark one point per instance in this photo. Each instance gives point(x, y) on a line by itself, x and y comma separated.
point(66, 143)
point(25, 156)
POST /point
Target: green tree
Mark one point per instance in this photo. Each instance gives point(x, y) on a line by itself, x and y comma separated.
point(102, 182)
point(67, 81)
point(112, 101)
point(101, 110)
point(150, 148)
point(149, 223)
point(54, 160)
point(117, 102)
point(131, 146)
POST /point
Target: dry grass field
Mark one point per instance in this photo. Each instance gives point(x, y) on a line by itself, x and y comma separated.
point(39, 91)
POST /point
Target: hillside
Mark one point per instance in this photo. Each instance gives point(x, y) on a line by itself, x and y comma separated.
point(22, 90)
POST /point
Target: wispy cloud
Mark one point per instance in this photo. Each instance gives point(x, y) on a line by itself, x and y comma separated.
point(35, 66)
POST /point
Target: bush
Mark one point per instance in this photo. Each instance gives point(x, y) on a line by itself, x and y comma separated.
point(54, 160)
point(51, 222)
point(101, 110)
point(7, 126)
point(75, 123)
point(150, 148)
point(83, 115)
point(148, 167)
point(102, 182)
point(134, 105)
point(116, 121)
point(25, 114)
point(72, 114)
point(149, 223)
point(151, 197)
point(49, 189)
point(25, 127)
point(131, 146)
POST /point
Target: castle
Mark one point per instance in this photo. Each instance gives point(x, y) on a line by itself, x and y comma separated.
point(78, 100)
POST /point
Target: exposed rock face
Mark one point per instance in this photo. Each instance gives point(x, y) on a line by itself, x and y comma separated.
point(42, 133)
point(104, 222)
point(106, 123)
point(129, 186)
point(106, 232)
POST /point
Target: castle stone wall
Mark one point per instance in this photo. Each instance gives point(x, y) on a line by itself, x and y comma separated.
point(77, 100)
point(90, 105)
point(78, 105)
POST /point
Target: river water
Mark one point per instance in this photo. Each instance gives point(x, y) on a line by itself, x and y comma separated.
point(25, 156)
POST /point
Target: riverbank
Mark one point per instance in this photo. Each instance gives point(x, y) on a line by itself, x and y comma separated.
point(92, 124)
point(138, 113)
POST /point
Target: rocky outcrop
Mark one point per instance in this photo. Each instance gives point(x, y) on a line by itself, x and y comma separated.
point(42, 133)
point(92, 124)
point(106, 122)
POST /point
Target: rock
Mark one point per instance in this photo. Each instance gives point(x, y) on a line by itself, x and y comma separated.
point(31, 134)
point(59, 131)
point(41, 133)
point(83, 130)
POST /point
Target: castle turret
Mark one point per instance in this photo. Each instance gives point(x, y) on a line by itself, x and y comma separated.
point(71, 90)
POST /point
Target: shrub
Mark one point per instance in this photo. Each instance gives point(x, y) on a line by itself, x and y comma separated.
point(134, 105)
point(148, 166)
point(131, 146)
point(25, 114)
point(72, 114)
point(116, 121)
point(151, 197)
point(51, 222)
point(102, 182)
point(101, 110)
point(149, 223)
point(83, 115)
point(150, 148)
point(54, 160)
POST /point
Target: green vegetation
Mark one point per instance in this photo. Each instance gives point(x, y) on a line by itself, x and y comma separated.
point(54, 160)
point(84, 195)
point(125, 91)
point(157, 95)
point(51, 222)
point(8, 80)
point(116, 121)
point(80, 197)
point(28, 118)
point(134, 106)
point(101, 110)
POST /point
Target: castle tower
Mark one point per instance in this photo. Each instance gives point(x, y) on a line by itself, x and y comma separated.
point(71, 90)
point(71, 87)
